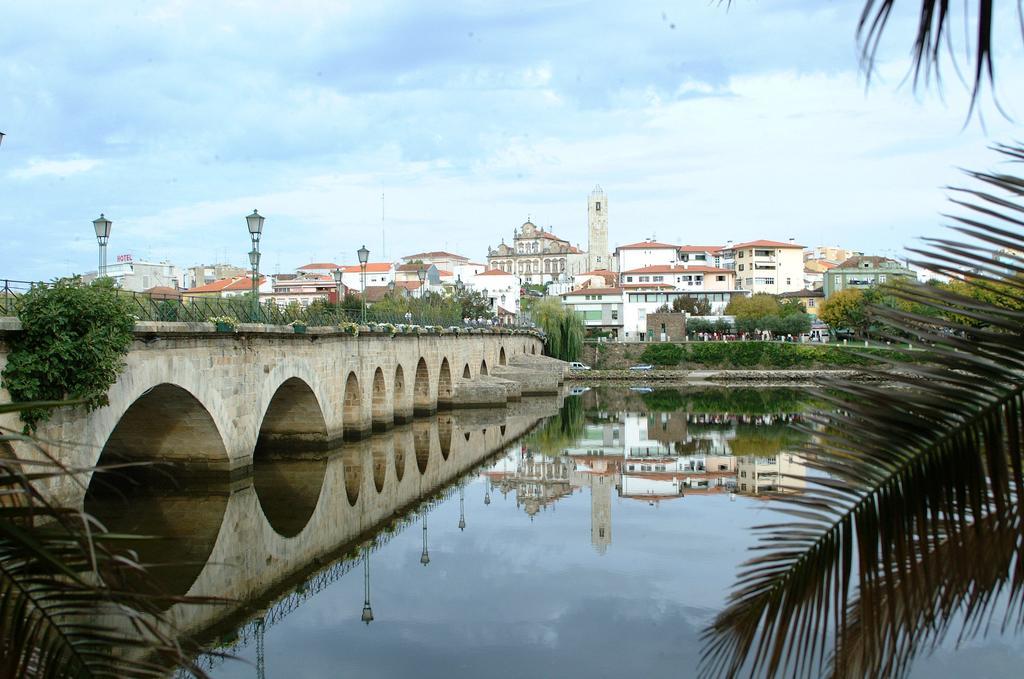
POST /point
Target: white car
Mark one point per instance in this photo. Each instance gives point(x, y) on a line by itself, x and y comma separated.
point(576, 365)
point(642, 366)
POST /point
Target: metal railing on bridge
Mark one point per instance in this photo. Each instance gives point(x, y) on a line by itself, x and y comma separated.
point(180, 307)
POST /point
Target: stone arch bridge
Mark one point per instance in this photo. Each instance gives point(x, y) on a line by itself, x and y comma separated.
point(209, 401)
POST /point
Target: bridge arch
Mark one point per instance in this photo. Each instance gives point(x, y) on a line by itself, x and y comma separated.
point(167, 423)
point(352, 468)
point(422, 403)
point(444, 385)
point(382, 414)
point(400, 411)
point(352, 415)
point(293, 420)
point(399, 454)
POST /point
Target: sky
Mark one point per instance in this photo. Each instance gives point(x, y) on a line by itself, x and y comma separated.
point(703, 123)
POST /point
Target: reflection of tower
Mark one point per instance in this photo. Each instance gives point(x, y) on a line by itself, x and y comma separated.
point(367, 616)
point(597, 230)
point(601, 512)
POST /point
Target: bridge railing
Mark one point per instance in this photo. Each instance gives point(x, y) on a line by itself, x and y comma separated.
point(168, 307)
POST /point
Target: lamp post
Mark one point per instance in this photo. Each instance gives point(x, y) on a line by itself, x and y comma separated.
point(255, 224)
point(367, 615)
point(487, 493)
point(425, 555)
point(337, 273)
point(421, 273)
point(364, 255)
point(102, 226)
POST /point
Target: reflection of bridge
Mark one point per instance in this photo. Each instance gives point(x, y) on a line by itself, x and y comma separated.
point(247, 541)
point(208, 400)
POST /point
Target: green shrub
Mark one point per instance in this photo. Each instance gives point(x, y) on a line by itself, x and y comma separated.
point(783, 355)
point(71, 345)
point(662, 354)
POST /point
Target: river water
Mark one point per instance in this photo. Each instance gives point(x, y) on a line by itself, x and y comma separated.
point(599, 544)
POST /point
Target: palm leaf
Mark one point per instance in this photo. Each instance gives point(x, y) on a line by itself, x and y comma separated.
point(881, 557)
point(69, 600)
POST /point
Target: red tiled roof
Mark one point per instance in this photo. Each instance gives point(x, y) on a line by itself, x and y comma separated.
point(444, 272)
point(371, 267)
point(495, 272)
point(230, 284)
point(699, 248)
point(593, 291)
point(764, 244)
point(436, 254)
point(647, 245)
point(318, 266)
point(668, 268)
point(408, 285)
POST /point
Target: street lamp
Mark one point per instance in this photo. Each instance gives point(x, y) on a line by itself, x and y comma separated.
point(364, 255)
point(337, 273)
point(255, 224)
point(425, 555)
point(421, 273)
point(102, 226)
point(367, 615)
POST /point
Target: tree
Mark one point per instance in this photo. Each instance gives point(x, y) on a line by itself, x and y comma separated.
point(692, 305)
point(910, 525)
point(845, 310)
point(755, 306)
point(562, 326)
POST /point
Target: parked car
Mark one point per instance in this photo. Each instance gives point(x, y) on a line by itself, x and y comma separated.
point(576, 365)
point(578, 391)
point(642, 366)
point(642, 390)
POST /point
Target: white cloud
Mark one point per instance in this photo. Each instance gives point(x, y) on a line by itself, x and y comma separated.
point(39, 167)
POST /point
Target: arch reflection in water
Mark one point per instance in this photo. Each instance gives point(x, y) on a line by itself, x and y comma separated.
point(186, 523)
point(164, 425)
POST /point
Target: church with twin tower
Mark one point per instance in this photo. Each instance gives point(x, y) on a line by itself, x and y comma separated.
point(539, 256)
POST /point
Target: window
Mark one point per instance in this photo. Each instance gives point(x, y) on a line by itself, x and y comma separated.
point(741, 267)
point(740, 255)
point(615, 314)
point(598, 206)
point(720, 278)
point(881, 278)
point(657, 279)
point(787, 281)
point(810, 303)
point(629, 279)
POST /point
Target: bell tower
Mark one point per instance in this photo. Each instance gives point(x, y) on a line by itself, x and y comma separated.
point(597, 230)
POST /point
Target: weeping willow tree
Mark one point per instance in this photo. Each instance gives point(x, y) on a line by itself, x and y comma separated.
point(563, 329)
point(913, 527)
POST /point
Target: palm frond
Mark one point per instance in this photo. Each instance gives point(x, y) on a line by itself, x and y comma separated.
point(914, 516)
point(70, 604)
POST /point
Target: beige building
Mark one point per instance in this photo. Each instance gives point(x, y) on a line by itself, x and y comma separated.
point(811, 299)
point(536, 255)
point(767, 266)
point(783, 472)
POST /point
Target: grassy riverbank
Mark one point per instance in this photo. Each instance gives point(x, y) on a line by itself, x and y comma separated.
point(744, 355)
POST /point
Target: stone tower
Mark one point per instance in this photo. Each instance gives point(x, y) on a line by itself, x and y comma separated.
point(597, 230)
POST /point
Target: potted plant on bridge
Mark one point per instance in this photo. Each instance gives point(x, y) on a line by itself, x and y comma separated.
point(298, 326)
point(225, 323)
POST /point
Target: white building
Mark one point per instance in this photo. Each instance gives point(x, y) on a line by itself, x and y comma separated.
point(766, 266)
point(139, 276)
point(502, 289)
point(378, 274)
point(645, 253)
point(600, 308)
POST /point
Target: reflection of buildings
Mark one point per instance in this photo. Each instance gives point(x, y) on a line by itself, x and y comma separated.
point(758, 474)
point(537, 480)
point(652, 457)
